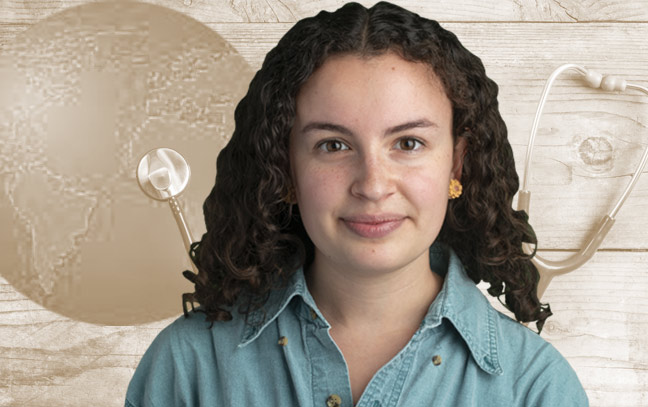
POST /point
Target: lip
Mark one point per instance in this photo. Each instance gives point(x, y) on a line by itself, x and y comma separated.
point(373, 226)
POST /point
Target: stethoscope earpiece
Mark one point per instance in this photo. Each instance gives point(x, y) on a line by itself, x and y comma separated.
point(609, 83)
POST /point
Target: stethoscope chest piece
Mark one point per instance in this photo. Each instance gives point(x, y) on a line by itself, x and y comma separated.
point(163, 173)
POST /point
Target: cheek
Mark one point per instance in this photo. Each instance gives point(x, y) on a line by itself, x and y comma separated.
point(428, 191)
point(428, 197)
point(430, 183)
point(426, 183)
point(318, 188)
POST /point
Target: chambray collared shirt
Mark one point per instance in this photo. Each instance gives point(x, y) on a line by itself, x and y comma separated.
point(464, 353)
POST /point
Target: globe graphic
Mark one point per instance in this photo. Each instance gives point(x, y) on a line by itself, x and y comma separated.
point(85, 94)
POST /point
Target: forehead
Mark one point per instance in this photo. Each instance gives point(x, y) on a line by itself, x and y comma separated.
point(350, 86)
point(345, 65)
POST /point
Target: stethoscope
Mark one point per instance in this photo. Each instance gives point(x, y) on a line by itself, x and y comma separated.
point(549, 268)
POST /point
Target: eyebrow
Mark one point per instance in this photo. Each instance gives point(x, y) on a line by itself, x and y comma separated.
point(421, 123)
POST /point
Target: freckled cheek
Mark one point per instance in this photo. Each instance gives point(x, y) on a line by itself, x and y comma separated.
point(321, 188)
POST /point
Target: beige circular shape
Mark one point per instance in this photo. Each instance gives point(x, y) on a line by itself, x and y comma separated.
point(163, 174)
point(85, 94)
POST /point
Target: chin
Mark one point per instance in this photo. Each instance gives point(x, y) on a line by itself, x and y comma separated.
point(378, 263)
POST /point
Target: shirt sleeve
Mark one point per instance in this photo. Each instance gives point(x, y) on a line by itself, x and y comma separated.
point(161, 378)
point(557, 386)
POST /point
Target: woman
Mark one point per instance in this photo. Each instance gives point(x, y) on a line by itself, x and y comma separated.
point(341, 254)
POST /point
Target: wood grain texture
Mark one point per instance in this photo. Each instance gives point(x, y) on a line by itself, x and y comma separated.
point(600, 326)
point(277, 11)
point(520, 57)
point(600, 322)
point(50, 360)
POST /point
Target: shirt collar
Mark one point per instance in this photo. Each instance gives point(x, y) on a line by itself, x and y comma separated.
point(463, 304)
point(259, 319)
point(459, 301)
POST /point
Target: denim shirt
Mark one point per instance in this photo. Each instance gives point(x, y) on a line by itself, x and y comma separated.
point(465, 353)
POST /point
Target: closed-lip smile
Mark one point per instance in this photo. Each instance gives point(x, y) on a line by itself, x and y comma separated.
point(373, 226)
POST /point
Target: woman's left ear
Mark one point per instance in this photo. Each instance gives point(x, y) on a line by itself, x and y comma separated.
point(458, 157)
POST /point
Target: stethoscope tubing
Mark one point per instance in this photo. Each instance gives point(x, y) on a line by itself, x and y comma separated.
point(551, 268)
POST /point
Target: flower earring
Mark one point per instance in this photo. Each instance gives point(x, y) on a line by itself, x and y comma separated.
point(455, 189)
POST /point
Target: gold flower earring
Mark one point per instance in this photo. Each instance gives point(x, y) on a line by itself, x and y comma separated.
point(455, 189)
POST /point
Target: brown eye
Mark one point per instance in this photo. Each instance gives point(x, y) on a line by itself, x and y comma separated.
point(331, 146)
point(408, 144)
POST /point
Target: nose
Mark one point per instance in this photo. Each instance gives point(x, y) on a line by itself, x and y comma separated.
point(373, 178)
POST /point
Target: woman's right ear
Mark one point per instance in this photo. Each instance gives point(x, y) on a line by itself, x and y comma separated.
point(458, 157)
point(290, 197)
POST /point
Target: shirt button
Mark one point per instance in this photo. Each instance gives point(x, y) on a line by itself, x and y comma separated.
point(283, 341)
point(436, 359)
point(333, 401)
point(313, 313)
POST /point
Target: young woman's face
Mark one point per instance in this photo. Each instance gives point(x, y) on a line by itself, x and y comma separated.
point(372, 155)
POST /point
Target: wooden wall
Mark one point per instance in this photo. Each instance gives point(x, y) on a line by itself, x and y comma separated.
point(586, 151)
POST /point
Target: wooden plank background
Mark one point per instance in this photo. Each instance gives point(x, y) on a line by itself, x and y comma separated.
point(600, 322)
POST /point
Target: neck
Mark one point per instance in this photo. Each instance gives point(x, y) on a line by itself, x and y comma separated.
point(380, 300)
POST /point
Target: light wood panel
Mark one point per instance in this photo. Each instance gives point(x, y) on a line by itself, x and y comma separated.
point(600, 322)
point(272, 11)
point(520, 57)
point(50, 360)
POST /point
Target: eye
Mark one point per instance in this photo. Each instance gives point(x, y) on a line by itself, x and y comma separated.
point(331, 146)
point(408, 144)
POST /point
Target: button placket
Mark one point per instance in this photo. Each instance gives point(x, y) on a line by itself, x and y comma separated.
point(330, 380)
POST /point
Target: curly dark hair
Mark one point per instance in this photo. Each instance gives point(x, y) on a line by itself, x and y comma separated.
point(255, 240)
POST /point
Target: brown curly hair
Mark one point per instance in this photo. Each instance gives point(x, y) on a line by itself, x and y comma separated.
point(255, 240)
